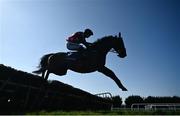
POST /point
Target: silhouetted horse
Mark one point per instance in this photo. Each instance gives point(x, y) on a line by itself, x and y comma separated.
point(90, 60)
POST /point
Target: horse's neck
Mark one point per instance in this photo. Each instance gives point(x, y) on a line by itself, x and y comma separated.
point(108, 49)
point(104, 50)
point(104, 45)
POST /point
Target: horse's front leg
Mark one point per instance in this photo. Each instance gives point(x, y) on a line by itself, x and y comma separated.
point(111, 74)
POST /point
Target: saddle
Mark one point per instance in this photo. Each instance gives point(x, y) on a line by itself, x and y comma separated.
point(75, 56)
point(78, 55)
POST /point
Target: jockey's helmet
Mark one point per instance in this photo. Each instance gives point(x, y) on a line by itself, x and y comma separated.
point(88, 32)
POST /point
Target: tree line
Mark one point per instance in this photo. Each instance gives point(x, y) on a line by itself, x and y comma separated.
point(117, 100)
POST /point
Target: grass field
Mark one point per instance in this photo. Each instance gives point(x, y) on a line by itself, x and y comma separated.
point(116, 112)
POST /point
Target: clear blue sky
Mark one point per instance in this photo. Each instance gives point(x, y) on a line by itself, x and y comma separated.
point(151, 31)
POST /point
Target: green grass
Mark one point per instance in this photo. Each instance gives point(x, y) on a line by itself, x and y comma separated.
point(117, 112)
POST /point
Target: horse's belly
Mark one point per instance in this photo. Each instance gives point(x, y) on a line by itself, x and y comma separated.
point(83, 68)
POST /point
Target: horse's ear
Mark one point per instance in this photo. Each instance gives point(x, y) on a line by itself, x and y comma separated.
point(119, 34)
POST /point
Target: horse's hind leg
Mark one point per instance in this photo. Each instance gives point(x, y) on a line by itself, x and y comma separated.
point(43, 74)
point(59, 72)
point(47, 75)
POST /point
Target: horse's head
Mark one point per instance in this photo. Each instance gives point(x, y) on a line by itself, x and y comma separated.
point(106, 43)
point(119, 46)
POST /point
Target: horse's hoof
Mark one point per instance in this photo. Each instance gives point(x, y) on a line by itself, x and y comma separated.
point(124, 89)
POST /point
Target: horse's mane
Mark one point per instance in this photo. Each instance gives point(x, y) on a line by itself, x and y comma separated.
point(103, 39)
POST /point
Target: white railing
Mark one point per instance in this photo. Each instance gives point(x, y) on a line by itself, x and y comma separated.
point(155, 106)
point(104, 95)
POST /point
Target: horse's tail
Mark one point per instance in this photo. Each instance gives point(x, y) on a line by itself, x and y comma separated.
point(43, 64)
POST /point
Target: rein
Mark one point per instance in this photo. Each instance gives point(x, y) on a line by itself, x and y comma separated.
point(113, 51)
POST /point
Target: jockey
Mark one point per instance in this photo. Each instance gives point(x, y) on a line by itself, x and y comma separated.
point(74, 41)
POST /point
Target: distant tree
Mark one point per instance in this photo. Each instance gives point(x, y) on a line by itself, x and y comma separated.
point(133, 99)
point(176, 99)
point(167, 99)
point(150, 99)
point(117, 101)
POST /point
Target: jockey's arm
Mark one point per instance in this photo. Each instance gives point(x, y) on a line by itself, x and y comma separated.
point(87, 44)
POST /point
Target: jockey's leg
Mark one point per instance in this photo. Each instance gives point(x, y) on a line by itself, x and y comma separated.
point(111, 74)
point(73, 46)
